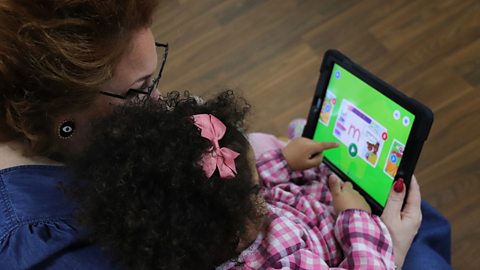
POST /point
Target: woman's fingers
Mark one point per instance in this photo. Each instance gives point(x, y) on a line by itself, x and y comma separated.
point(395, 199)
point(414, 199)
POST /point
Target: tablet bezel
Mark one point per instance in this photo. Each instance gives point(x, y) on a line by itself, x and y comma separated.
point(420, 126)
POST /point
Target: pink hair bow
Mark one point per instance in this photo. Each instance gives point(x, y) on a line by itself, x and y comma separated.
point(222, 158)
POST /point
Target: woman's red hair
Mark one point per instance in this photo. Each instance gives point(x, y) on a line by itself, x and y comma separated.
point(54, 55)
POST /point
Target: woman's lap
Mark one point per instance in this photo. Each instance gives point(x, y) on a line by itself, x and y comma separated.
point(431, 248)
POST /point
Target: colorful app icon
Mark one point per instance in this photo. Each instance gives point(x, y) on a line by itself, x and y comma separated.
point(327, 108)
point(396, 115)
point(353, 150)
point(394, 158)
point(384, 136)
point(337, 74)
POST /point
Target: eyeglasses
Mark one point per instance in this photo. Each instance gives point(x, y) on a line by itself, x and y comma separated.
point(147, 90)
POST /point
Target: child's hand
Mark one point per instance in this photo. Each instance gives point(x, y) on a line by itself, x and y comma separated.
point(345, 197)
point(302, 153)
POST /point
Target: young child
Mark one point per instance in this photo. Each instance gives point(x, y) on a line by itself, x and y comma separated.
point(174, 185)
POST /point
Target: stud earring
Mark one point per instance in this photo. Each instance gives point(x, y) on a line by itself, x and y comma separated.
point(66, 129)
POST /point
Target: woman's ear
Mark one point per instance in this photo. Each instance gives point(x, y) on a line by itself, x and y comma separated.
point(68, 136)
point(66, 129)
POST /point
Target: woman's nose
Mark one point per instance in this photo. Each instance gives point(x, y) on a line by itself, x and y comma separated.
point(155, 94)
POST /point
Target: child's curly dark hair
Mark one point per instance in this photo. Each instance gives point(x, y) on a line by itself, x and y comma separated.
point(144, 196)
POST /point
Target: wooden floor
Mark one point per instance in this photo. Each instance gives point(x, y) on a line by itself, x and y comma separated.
point(271, 51)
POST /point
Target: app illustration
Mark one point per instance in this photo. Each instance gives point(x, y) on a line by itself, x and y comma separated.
point(363, 136)
point(394, 158)
point(327, 108)
point(371, 152)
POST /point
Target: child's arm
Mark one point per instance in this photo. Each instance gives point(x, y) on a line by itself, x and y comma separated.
point(282, 165)
point(363, 237)
point(365, 241)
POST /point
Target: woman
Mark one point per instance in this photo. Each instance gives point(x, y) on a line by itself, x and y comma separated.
point(62, 65)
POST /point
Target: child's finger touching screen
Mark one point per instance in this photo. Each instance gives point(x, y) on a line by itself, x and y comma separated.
point(302, 153)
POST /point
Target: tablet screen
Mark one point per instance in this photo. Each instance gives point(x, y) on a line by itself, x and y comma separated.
point(372, 131)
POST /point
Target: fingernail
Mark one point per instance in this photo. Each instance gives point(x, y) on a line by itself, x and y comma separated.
point(398, 185)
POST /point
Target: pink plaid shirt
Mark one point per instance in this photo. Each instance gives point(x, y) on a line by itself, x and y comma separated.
point(304, 232)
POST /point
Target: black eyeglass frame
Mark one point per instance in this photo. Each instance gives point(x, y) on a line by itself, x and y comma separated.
point(147, 91)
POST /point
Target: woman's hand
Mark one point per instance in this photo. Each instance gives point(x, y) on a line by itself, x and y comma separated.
point(302, 153)
point(402, 224)
point(345, 197)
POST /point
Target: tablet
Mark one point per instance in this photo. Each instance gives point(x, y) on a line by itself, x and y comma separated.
point(380, 130)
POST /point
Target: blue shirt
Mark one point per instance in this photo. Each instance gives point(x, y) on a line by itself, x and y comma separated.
point(37, 229)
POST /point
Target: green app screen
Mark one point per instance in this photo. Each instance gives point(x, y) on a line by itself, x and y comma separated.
point(371, 129)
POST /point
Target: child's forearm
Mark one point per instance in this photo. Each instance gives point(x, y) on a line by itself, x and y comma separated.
point(274, 170)
point(365, 241)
